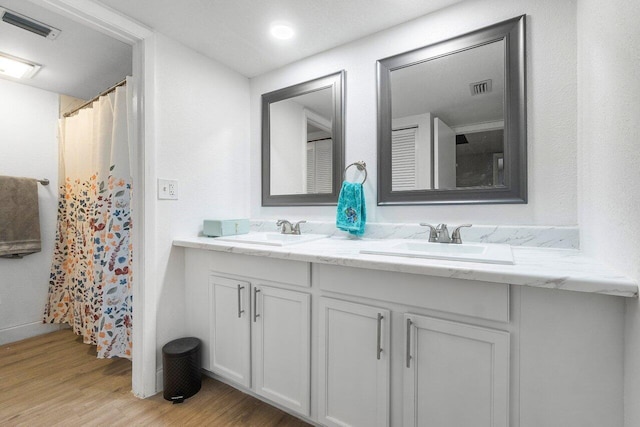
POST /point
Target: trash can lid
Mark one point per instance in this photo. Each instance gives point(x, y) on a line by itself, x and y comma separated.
point(181, 347)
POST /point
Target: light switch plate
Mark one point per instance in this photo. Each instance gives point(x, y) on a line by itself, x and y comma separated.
point(167, 189)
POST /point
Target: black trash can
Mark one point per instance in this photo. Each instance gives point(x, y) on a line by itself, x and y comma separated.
point(181, 361)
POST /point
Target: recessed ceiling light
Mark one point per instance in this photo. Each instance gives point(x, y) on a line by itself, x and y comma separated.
point(16, 67)
point(281, 30)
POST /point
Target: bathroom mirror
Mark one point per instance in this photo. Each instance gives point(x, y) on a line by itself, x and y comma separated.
point(452, 120)
point(303, 143)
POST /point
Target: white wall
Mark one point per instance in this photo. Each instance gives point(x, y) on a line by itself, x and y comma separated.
point(551, 81)
point(609, 157)
point(202, 140)
point(29, 148)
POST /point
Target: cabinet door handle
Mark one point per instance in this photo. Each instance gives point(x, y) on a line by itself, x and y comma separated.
point(240, 310)
point(380, 317)
point(255, 304)
point(408, 351)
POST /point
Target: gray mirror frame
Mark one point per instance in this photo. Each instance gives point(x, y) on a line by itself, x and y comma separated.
point(336, 82)
point(515, 133)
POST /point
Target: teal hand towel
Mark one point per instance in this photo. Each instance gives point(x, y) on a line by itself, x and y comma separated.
point(352, 211)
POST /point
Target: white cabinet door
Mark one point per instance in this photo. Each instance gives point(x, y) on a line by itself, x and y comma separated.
point(456, 375)
point(230, 329)
point(282, 344)
point(353, 364)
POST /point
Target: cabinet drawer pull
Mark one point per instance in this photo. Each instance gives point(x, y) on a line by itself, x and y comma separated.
point(240, 310)
point(255, 304)
point(408, 351)
point(380, 317)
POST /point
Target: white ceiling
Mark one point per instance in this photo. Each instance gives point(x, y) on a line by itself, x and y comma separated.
point(236, 32)
point(441, 87)
point(81, 62)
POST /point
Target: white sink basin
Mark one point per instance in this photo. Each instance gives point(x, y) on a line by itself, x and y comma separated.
point(272, 238)
point(490, 253)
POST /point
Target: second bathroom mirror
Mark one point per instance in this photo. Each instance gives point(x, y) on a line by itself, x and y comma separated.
point(302, 143)
point(452, 120)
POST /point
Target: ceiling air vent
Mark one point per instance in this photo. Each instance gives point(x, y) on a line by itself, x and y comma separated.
point(478, 88)
point(29, 24)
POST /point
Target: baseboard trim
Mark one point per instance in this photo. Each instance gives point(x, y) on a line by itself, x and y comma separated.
point(28, 330)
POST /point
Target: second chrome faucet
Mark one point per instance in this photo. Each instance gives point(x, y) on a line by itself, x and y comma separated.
point(440, 233)
point(288, 228)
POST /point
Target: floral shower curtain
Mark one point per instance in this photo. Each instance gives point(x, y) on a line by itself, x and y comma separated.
point(90, 281)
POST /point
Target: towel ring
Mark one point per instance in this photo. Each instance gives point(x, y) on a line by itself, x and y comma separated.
point(361, 166)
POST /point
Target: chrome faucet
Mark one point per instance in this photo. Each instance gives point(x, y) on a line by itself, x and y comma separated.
point(288, 228)
point(441, 233)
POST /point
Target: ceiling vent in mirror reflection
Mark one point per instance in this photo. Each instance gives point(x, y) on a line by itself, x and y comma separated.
point(478, 88)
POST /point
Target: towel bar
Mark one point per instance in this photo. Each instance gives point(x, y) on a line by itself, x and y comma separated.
point(361, 166)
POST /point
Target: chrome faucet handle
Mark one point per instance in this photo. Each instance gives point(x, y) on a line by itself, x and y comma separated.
point(443, 233)
point(287, 228)
point(296, 227)
point(455, 236)
point(433, 233)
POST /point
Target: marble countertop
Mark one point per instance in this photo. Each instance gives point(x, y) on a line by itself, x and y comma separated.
point(566, 269)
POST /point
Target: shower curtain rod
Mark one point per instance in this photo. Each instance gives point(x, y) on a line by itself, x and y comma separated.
point(92, 100)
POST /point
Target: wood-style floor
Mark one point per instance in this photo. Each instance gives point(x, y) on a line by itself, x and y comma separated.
point(55, 379)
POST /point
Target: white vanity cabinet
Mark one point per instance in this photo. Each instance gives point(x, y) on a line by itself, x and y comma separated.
point(341, 345)
point(255, 332)
point(446, 356)
point(353, 361)
point(261, 339)
point(455, 374)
